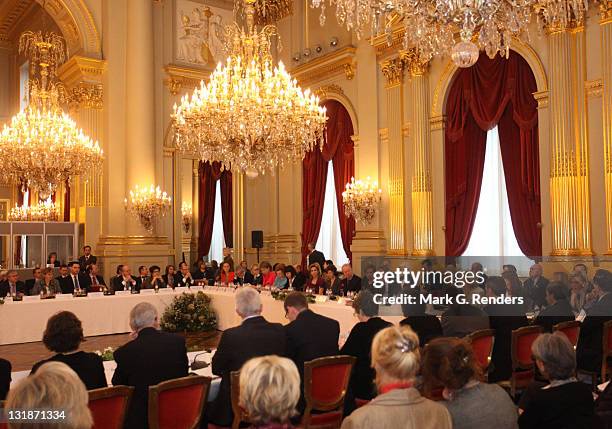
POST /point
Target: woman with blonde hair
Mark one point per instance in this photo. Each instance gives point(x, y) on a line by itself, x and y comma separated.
point(396, 360)
point(54, 387)
point(269, 391)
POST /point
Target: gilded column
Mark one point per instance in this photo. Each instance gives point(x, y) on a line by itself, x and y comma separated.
point(422, 201)
point(195, 209)
point(238, 214)
point(569, 183)
point(606, 99)
point(393, 70)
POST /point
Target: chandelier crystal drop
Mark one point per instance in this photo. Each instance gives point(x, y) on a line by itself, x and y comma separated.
point(361, 199)
point(42, 147)
point(251, 116)
point(148, 204)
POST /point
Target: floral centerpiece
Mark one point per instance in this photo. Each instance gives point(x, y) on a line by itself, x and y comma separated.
point(281, 295)
point(191, 315)
point(106, 354)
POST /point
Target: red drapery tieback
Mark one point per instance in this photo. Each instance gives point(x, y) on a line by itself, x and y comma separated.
point(208, 175)
point(493, 92)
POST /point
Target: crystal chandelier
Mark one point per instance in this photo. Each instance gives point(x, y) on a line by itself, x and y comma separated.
point(251, 116)
point(148, 204)
point(559, 14)
point(361, 199)
point(431, 25)
point(42, 147)
point(45, 211)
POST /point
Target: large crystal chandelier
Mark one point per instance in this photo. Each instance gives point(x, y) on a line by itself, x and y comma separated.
point(459, 28)
point(42, 147)
point(251, 115)
point(360, 199)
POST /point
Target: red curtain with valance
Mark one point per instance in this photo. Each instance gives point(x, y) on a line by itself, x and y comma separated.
point(493, 92)
point(338, 148)
point(226, 207)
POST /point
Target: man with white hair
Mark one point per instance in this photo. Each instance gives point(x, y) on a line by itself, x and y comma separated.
point(152, 357)
point(535, 286)
point(254, 337)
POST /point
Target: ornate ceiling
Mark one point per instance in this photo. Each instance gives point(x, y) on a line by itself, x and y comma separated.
point(12, 13)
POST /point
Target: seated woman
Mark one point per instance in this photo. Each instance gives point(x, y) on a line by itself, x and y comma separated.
point(63, 336)
point(558, 309)
point(48, 285)
point(450, 363)
point(170, 276)
point(332, 282)
point(315, 283)
point(395, 358)
point(427, 326)
point(295, 281)
point(280, 281)
point(52, 260)
point(267, 275)
point(226, 275)
point(269, 391)
point(155, 279)
point(578, 292)
point(359, 344)
point(564, 402)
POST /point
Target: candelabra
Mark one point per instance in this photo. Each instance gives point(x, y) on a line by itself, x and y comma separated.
point(43, 212)
point(361, 199)
point(148, 204)
point(187, 213)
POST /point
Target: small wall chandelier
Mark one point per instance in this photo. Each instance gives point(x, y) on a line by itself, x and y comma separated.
point(45, 211)
point(42, 147)
point(251, 116)
point(361, 200)
point(187, 215)
point(148, 204)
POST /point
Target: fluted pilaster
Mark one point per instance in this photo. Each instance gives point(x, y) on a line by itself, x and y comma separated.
point(606, 101)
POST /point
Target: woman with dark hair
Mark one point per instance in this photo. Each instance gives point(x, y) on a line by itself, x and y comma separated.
point(514, 287)
point(169, 277)
point(328, 263)
point(226, 275)
point(451, 364)
point(52, 260)
point(268, 276)
point(332, 282)
point(315, 282)
point(294, 281)
point(63, 336)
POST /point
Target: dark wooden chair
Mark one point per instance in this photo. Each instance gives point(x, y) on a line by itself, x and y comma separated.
point(606, 343)
point(109, 406)
point(178, 404)
point(239, 415)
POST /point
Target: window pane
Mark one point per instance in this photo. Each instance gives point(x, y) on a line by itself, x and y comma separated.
point(217, 242)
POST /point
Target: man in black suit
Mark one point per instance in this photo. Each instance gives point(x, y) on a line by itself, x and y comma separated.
point(152, 357)
point(94, 280)
point(314, 257)
point(589, 348)
point(254, 337)
point(124, 280)
point(75, 280)
point(535, 286)
point(558, 309)
point(64, 279)
point(143, 276)
point(12, 285)
point(87, 259)
point(29, 283)
point(184, 277)
point(350, 282)
point(5, 378)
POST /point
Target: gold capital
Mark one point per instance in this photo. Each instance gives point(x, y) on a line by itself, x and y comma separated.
point(393, 70)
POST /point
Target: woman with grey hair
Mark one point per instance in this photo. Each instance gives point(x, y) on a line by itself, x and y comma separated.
point(562, 403)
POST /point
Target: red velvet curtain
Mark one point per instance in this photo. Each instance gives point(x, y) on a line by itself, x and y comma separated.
point(208, 174)
point(67, 202)
point(493, 92)
point(338, 148)
point(226, 207)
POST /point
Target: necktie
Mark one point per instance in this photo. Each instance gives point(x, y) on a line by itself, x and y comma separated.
point(13, 289)
point(75, 280)
point(94, 280)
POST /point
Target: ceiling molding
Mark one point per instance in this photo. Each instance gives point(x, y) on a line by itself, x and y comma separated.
point(337, 63)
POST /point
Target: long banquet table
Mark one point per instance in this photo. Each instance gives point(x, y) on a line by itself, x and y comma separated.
point(23, 322)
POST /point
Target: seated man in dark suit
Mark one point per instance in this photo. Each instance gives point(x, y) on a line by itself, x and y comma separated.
point(589, 348)
point(86, 259)
point(254, 337)
point(504, 318)
point(535, 286)
point(558, 309)
point(184, 277)
point(12, 285)
point(64, 279)
point(152, 357)
point(143, 276)
point(76, 279)
point(5, 378)
point(29, 283)
point(350, 282)
point(124, 280)
point(95, 281)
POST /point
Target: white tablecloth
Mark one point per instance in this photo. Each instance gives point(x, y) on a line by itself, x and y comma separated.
point(25, 321)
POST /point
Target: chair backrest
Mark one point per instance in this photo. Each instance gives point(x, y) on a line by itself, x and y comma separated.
point(482, 342)
point(522, 339)
point(108, 406)
point(571, 330)
point(178, 403)
point(325, 382)
point(2, 424)
point(239, 416)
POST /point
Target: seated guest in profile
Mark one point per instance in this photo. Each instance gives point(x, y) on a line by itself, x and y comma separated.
point(450, 362)
point(29, 283)
point(143, 276)
point(253, 277)
point(535, 286)
point(5, 378)
point(589, 348)
point(239, 276)
point(395, 358)
point(564, 402)
point(316, 283)
point(213, 271)
point(152, 357)
point(245, 266)
point(63, 336)
point(504, 318)
point(427, 326)
point(267, 274)
point(359, 344)
point(95, 282)
point(460, 320)
point(47, 285)
point(54, 387)
point(53, 261)
point(350, 282)
point(125, 281)
point(184, 277)
point(367, 282)
point(12, 285)
point(294, 281)
point(226, 275)
point(254, 337)
point(514, 288)
point(155, 280)
point(332, 282)
point(578, 292)
point(170, 276)
point(558, 308)
point(87, 259)
point(269, 392)
point(280, 281)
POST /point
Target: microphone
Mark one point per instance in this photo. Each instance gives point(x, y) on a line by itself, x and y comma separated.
point(195, 365)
